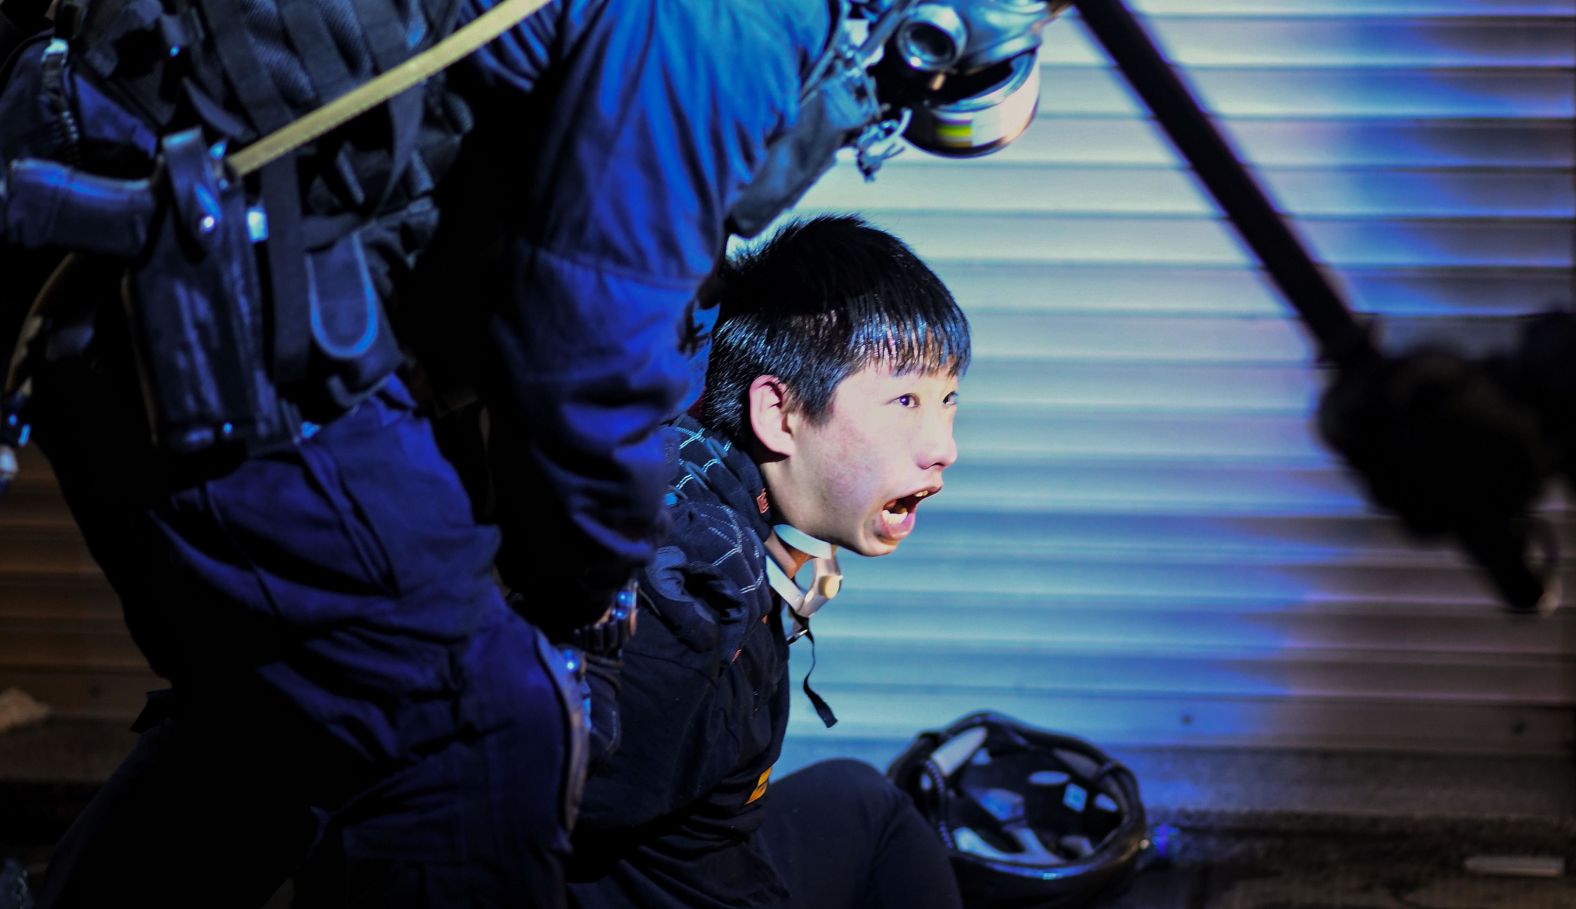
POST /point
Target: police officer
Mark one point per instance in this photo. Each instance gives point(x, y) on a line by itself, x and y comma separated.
point(350, 693)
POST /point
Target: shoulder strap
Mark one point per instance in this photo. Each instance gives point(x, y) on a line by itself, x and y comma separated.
point(408, 74)
point(289, 283)
point(380, 23)
point(260, 100)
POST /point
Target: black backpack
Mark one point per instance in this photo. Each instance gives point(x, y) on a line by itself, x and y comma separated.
point(256, 304)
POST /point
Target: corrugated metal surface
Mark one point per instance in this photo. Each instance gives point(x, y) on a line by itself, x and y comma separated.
point(62, 638)
point(1143, 540)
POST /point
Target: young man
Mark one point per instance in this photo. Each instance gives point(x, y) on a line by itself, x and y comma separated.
point(826, 421)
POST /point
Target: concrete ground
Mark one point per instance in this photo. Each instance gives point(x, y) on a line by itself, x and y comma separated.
point(1240, 829)
point(1377, 885)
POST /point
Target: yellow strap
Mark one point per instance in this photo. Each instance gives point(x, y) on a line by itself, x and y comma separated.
point(760, 786)
point(414, 71)
point(346, 107)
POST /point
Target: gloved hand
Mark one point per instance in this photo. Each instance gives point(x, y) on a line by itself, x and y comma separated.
point(599, 647)
point(602, 630)
point(1439, 440)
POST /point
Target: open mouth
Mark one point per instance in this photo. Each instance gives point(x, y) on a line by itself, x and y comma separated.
point(897, 516)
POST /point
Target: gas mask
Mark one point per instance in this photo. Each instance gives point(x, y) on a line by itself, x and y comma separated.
point(964, 70)
point(954, 77)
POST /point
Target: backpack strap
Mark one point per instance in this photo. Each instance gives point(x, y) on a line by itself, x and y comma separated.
point(272, 153)
point(286, 253)
point(324, 64)
point(408, 74)
point(260, 100)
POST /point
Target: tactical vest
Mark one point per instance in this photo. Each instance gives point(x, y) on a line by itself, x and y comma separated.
point(332, 224)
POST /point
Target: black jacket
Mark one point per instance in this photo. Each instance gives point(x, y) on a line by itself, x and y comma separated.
point(704, 705)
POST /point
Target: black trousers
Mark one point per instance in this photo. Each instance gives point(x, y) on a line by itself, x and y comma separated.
point(841, 836)
point(349, 683)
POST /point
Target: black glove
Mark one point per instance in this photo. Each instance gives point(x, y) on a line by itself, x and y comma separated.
point(1542, 374)
point(1441, 441)
point(1437, 438)
point(603, 633)
point(601, 644)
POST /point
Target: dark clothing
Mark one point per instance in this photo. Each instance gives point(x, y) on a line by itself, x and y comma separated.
point(611, 205)
point(703, 707)
point(326, 612)
point(209, 812)
point(842, 836)
point(346, 675)
point(604, 145)
point(685, 814)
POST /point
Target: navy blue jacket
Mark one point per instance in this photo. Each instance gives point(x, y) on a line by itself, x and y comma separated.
point(628, 130)
point(704, 706)
point(611, 141)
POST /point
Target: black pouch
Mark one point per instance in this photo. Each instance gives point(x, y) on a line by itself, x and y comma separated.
point(196, 304)
point(353, 346)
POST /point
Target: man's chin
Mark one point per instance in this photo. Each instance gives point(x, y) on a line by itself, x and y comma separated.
point(877, 545)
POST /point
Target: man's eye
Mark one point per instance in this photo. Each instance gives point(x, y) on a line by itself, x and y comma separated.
point(951, 399)
point(908, 400)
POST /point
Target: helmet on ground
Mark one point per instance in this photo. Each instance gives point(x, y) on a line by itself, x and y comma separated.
point(1030, 818)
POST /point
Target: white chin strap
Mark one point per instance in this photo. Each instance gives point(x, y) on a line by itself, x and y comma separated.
point(828, 578)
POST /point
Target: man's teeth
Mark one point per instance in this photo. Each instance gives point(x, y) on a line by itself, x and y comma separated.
point(896, 513)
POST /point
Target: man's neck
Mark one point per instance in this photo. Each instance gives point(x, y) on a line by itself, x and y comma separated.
point(789, 559)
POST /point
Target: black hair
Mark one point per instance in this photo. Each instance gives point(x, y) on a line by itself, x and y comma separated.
point(821, 300)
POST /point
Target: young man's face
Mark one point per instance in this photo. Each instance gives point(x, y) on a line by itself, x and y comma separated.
point(856, 478)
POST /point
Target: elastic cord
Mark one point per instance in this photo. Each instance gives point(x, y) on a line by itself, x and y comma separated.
point(822, 708)
point(798, 539)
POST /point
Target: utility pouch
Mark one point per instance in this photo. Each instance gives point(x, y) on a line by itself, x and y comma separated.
point(182, 236)
point(213, 345)
point(196, 304)
point(354, 346)
point(191, 288)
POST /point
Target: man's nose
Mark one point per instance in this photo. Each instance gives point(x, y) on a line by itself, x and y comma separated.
point(937, 448)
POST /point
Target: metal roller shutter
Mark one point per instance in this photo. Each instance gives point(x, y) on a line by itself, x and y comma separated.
point(1143, 542)
point(62, 638)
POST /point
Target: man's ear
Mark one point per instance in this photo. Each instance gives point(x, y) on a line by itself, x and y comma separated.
point(769, 417)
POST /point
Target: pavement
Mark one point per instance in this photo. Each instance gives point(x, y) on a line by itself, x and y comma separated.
point(1235, 828)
